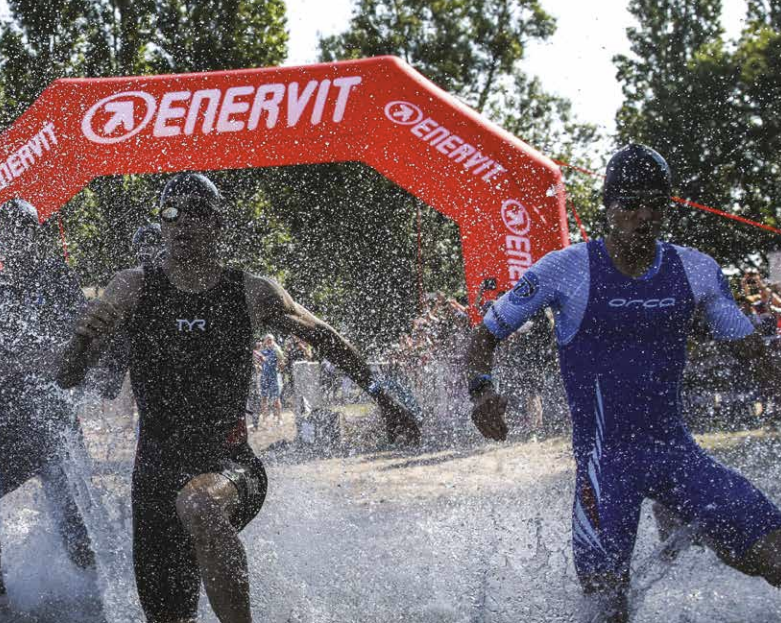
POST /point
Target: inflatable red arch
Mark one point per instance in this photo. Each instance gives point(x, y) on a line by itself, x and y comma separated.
point(507, 199)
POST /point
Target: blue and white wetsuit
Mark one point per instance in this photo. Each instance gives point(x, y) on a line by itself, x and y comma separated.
point(622, 349)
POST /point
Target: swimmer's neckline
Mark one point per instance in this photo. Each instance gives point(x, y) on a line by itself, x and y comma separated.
point(652, 271)
point(217, 284)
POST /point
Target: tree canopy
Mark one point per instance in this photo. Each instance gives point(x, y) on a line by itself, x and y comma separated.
point(711, 107)
point(343, 239)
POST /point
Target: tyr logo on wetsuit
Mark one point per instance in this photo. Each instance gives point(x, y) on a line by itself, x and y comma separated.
point(190, 325)
point(178, 336)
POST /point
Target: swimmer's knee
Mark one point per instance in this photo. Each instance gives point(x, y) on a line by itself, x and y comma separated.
point(200, 514)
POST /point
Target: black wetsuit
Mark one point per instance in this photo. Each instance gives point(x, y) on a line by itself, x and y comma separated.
point(36, 315)
point(190, 364)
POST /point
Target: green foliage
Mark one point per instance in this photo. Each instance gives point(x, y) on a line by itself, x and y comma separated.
point(712, 109)
point(757, 65)
point(100, 222)
point(351, 254)
point(219, 34)
point(473, 49)
point(45, 40)
point(70, 38)
point(764, 12)
point(465, 46)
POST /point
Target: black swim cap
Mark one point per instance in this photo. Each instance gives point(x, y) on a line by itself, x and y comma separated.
point(636, 171)
point(192, 186)
point(19, 211)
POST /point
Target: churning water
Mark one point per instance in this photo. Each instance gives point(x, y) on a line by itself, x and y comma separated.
point(471, 533)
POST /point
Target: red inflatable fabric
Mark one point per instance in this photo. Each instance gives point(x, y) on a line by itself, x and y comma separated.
point(507, 199)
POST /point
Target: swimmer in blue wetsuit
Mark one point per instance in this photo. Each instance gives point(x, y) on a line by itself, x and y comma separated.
point(624, 307)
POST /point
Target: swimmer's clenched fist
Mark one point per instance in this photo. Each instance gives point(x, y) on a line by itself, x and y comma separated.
point(488, 415)
point(100, 320)
point(400, 422)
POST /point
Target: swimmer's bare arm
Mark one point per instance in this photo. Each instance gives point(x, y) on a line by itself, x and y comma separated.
point(489, 407)
point(270, 304)
point(97, 325)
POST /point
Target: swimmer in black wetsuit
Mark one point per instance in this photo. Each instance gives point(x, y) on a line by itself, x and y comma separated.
point(39, 299)
point(196, 481)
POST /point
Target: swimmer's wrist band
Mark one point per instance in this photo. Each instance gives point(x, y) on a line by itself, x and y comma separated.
point(479, 383)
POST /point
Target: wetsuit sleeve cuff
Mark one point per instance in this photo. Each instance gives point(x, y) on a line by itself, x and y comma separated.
point(498, 327)
point(741, 327)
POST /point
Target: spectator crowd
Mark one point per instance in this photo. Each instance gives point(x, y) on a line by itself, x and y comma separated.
point(719, 394)
point(429, 360)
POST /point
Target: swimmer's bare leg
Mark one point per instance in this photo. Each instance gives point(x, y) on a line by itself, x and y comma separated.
point(763, 559)
point(205, 506)
point(264, 408)
point(277, 410)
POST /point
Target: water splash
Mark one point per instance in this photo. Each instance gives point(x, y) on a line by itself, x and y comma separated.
point(460, 533)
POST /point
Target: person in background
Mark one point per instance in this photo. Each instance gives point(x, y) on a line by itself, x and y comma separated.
point(272, 360)
point(253, 398)
point(148, 245)
point(295, 350)
point(39, 299)
point(766, 304)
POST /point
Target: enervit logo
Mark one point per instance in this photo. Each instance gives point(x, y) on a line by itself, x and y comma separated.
point(444, 140)
point(517, 245)
point(515, 217)
point(645, 303)
point(233, 109)
point(131, 111)
point(28, 155)
point(403, 113)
